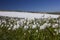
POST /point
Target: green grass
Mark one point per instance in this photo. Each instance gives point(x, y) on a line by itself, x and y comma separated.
point(30, 33)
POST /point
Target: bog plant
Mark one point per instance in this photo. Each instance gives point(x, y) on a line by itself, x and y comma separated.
point(29, 29)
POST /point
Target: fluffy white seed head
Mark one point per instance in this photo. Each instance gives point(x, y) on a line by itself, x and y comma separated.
point(36, 30)
point(34, 26)
point(25, 27)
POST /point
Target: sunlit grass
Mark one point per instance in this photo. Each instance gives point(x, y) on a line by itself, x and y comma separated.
point(24, 29)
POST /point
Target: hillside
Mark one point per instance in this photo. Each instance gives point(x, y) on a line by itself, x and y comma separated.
point(26, 14)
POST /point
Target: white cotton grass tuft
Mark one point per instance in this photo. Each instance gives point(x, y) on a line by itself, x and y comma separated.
point(26, 27)
point(43, 26)
point(29, 31)
point(3, 21)
point(33, 26)
point(36, 30)
point(24, 33)
point(15, 27)
point(47, 21)
point(34, 22)
point(25, 21)
point(37, 23)
point(49, 17)
point(28, 23)
point(1, 25)
point(55, 25)
point(9, 28)
point(49, 24)
point(55, 30)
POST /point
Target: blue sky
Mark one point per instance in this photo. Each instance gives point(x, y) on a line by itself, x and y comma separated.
point(31, 5)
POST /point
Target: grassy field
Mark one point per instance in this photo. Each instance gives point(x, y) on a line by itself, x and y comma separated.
point(29, 29)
